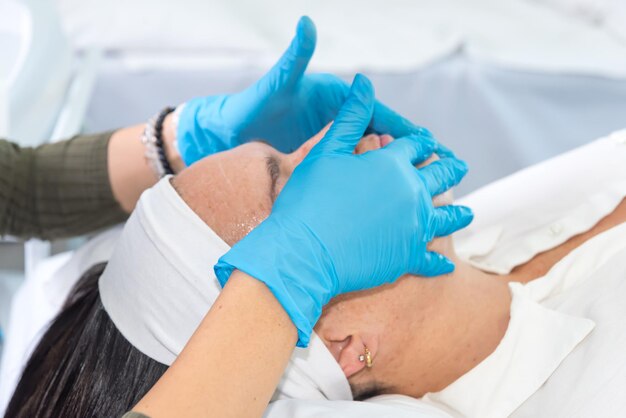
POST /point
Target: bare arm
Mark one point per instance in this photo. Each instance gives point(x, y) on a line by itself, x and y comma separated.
point(129, 171)
point(231, 365)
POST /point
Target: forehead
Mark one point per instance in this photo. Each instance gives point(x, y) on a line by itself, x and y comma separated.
point(240, 167)
point(231, 190)
point(239, 174)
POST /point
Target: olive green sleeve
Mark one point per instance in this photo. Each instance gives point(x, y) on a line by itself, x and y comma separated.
point(56, 190)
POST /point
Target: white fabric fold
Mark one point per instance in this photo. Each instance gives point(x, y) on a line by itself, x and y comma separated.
point(159, 284)
point(537, 340)
point(543, 206)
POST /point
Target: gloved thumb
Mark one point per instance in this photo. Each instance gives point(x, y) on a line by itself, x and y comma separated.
point(292, 65)
point(352, 120)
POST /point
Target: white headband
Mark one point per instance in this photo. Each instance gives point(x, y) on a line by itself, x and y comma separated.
point(159, 284)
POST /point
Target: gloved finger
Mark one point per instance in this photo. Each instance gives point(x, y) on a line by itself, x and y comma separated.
point(443, 174)
point(443, 151)
point(434, 264)
point(414, 148)
point(351, 121)
point(449, 219)
point(386, 121)
point(293, 63)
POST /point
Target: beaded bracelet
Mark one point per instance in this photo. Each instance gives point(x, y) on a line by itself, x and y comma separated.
point(152, 139)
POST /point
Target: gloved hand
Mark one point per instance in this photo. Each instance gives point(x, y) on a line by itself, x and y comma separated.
point(285, 108)
point(347, 222)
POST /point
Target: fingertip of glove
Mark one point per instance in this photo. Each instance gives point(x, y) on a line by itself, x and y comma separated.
point(426, 144)
point(445, 266)
point(361, 83)
point(467, 215)
point(424, 132)
point(443, 151)
point(362, 89)
point(466, 210)
point(434, 265)
point(306, 34)
point(427, 140)
point(462, 166)
point(441, 265)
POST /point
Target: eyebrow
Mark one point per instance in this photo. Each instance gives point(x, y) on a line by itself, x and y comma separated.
point(273, 169)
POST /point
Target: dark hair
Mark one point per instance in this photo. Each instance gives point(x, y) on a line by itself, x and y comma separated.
point(365, 391)
point(83, 366)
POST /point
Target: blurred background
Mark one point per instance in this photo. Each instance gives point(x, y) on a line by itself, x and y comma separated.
point(503, 83)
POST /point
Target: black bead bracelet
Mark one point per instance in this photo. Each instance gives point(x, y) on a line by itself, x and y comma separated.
point(158, 135)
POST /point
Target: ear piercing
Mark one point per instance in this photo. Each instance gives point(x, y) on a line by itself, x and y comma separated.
point(367, 358)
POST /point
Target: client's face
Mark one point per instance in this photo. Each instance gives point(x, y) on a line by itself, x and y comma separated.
point(234, 191)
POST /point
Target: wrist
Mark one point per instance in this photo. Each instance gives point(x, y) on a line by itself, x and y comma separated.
point(293, 264)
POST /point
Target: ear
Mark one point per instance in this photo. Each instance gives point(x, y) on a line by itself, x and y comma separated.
point(349, 354)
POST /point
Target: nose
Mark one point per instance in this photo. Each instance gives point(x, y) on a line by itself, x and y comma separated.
point(298, 155)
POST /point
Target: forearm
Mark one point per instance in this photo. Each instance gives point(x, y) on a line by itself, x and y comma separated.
point(77, 186)
point(130, 172)
point(56, 190)
point(233, 362)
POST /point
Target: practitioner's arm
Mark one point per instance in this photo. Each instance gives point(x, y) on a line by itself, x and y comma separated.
point(129, 171)
point(56, 190)
point(76, 186)
point(234, 360)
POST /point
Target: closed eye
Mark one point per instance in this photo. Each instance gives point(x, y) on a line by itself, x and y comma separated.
point(273, 170)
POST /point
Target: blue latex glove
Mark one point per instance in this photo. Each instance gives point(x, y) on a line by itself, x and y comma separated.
point(347, 222)
point(285, 108)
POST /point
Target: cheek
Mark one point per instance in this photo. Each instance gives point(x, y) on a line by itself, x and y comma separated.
point(239, 223)
point(234, 203)
point(245, 211)
point(371, 312)
point(338, 318)
point(391, 314)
